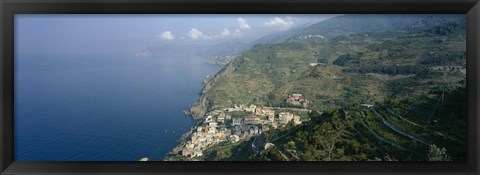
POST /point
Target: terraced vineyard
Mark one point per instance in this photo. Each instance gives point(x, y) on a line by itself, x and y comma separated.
point(395, 130)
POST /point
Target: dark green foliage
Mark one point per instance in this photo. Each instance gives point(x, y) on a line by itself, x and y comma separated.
point(340, 134)
point(326, 137)
point(313, 74)
point(240, 151)
point(449, 28)
point(346, 60)
point(444, 59)
point(274, 155)
point(391, 70)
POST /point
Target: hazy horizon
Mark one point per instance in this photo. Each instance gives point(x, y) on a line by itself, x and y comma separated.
point(128, 34)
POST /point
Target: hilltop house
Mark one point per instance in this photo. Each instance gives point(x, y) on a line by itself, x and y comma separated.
point(298, 100)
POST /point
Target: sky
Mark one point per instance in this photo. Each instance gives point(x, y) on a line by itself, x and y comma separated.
point(74, 34)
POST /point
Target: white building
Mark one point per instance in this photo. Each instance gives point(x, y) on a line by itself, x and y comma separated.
point(285, 117)
point(296, 120)
point(234, 138)
point(209, 118)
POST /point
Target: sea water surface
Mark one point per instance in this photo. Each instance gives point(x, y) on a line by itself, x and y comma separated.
point(103, 107)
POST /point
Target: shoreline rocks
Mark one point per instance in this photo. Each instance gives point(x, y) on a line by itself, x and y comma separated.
point(199, 108)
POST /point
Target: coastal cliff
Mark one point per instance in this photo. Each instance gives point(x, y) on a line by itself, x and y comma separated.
point(199, 108)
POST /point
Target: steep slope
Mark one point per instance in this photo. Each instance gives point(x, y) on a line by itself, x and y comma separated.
point(407, 129)
point(396, 130)
point(359, 23)
point(386, 95)
point(362, 71)
point(316, 32)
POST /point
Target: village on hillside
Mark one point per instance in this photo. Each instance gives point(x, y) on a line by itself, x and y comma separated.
point(229, 125)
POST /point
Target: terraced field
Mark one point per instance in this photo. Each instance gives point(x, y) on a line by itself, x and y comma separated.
point(413, 125)
point(397, 130)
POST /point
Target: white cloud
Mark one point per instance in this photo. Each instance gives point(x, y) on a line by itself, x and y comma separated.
point(242, 23)
point(196, 34)
point(283, 24)
point(237, 32)
point(167, 35)
point(225, 32)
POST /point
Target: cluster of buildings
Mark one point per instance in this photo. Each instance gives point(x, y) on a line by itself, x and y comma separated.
point(287, 117)
point(220, 126)
point(310, 36)
point(203, 137)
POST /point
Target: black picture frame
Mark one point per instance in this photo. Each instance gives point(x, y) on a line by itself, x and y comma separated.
point(8, 8)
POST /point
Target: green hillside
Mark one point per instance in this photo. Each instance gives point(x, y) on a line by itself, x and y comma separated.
point(334, 27)
point(357, 69)
point(414, 76)
point(395, 130)
point(404, 129)
point(361, 23)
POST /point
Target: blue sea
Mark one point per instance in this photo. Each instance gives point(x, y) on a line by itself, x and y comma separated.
point(103, 107)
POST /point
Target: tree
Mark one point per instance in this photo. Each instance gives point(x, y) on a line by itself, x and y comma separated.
point(275, 155)
point(325, 138)
point(437, 154)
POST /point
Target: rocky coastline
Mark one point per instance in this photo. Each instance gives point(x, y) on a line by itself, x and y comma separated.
point(199, 108)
